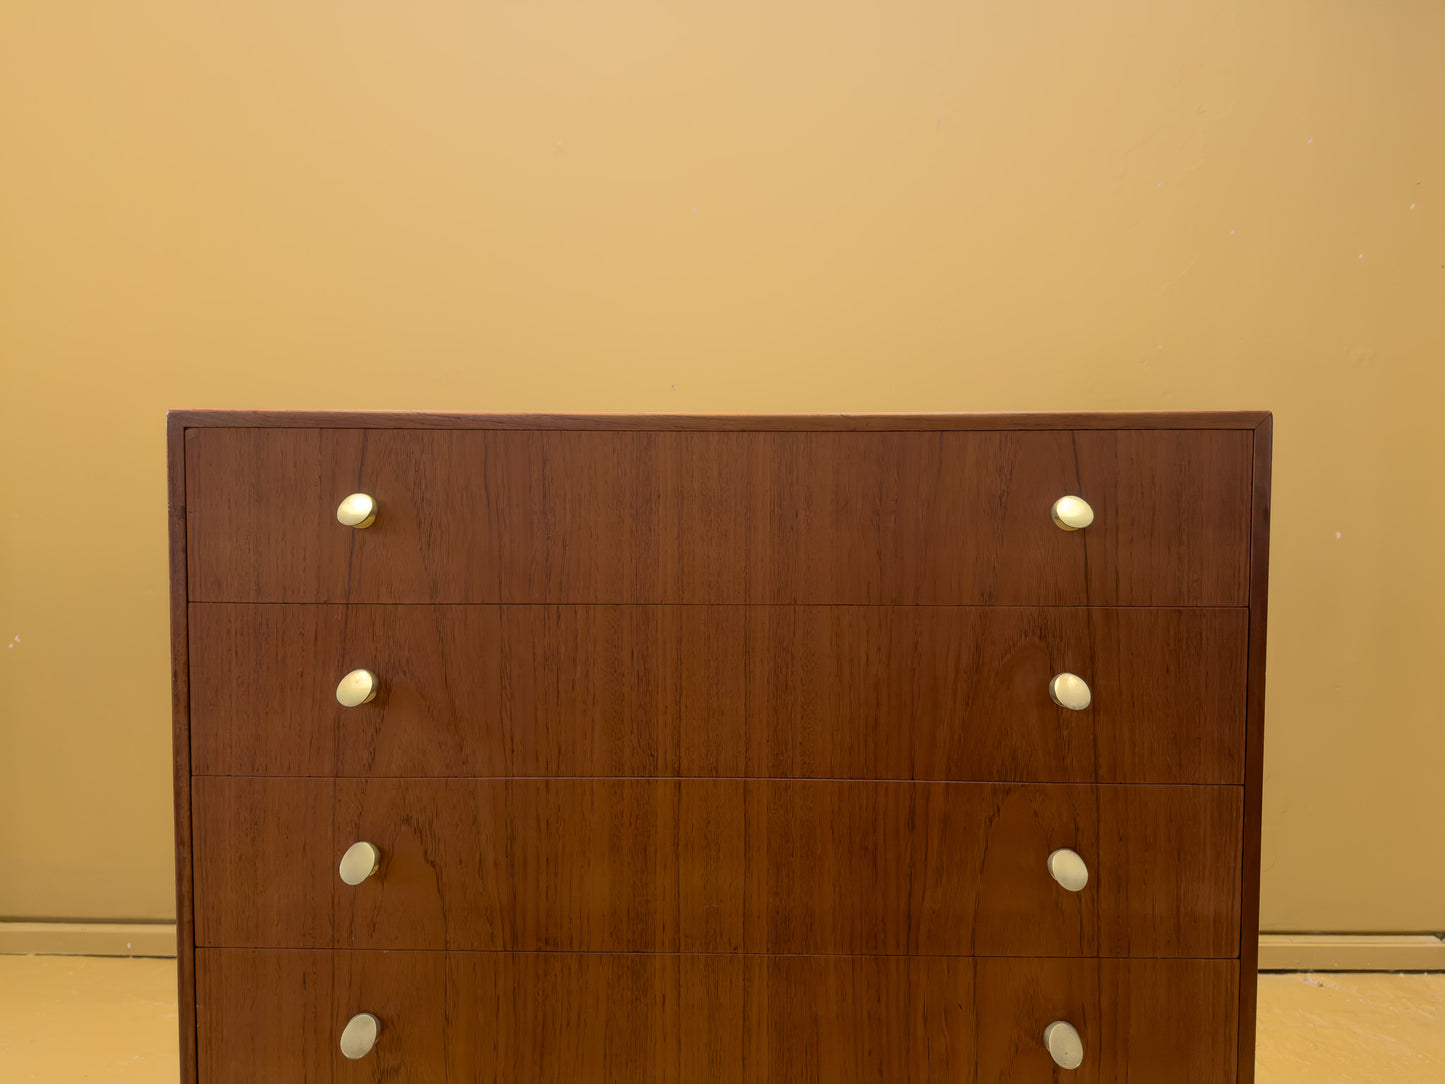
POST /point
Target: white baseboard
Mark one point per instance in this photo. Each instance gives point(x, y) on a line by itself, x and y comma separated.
point(87, 939)
point(1350, 952)
point(1277, 951)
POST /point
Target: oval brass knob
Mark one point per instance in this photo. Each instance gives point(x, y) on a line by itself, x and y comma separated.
point(1070, 691)
point(1066, 867)
point(1064, 1044)
point(359, 1035)
point(1073, 513)
point(363, 859)
point(357, 510)
point(356, 688)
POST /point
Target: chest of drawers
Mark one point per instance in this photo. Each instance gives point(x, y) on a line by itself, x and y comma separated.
point(718, 750)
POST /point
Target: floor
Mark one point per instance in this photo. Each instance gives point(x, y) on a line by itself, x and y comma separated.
point(84, 1018)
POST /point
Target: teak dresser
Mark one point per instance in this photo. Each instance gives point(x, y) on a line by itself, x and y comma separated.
point(563, 749)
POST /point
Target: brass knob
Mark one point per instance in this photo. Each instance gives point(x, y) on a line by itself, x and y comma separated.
point(361, 860)
point(1065, 866)
point(1073, 513)
point(357, 510)
point(359, 1035)
point(356, 688)
point(1067, 690)
point(1064, 1044)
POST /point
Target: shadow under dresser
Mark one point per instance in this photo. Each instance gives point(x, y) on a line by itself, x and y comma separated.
point(659, 749)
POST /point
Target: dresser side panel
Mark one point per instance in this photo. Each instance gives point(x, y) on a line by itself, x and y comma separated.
point(181, 741)
point(1254, 746)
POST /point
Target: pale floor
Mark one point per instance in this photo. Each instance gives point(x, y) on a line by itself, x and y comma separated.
point(82, 1018)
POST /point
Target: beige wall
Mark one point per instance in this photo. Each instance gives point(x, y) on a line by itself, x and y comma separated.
point(767, 206)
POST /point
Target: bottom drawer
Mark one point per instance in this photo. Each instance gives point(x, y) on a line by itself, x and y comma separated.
point(540, 1018)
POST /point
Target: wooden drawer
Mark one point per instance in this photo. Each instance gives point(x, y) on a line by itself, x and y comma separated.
point(721, 517)
point(557, 1018)
point(720, 866)
point(850, 692)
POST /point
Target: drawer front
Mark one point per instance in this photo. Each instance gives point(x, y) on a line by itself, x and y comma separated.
point(672, 517)
point(719, 866)
point(661, 1019)
point(848, 692)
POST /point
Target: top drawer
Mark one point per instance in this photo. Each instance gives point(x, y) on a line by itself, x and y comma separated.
point(737, 517)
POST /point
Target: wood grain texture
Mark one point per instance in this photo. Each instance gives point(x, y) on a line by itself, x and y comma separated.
point(719, 517)
point(181, 742)
point(810, 591)
point(962, 693)
point(576, 865)
point(583, 865)
point(557, 1018)
point(916, 869)
point(1194, 493)
point(1170, 868)
point(407, 992)
point(1254, 744)
point(266, 1016)
point(265, 860)
point(470, 690)
point(1197, 1043)
point(721, 691)
point(718, 866)
point(967, 422)
point(1168, 694)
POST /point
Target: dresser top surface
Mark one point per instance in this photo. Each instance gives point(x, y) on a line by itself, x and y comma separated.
point(423, 419)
